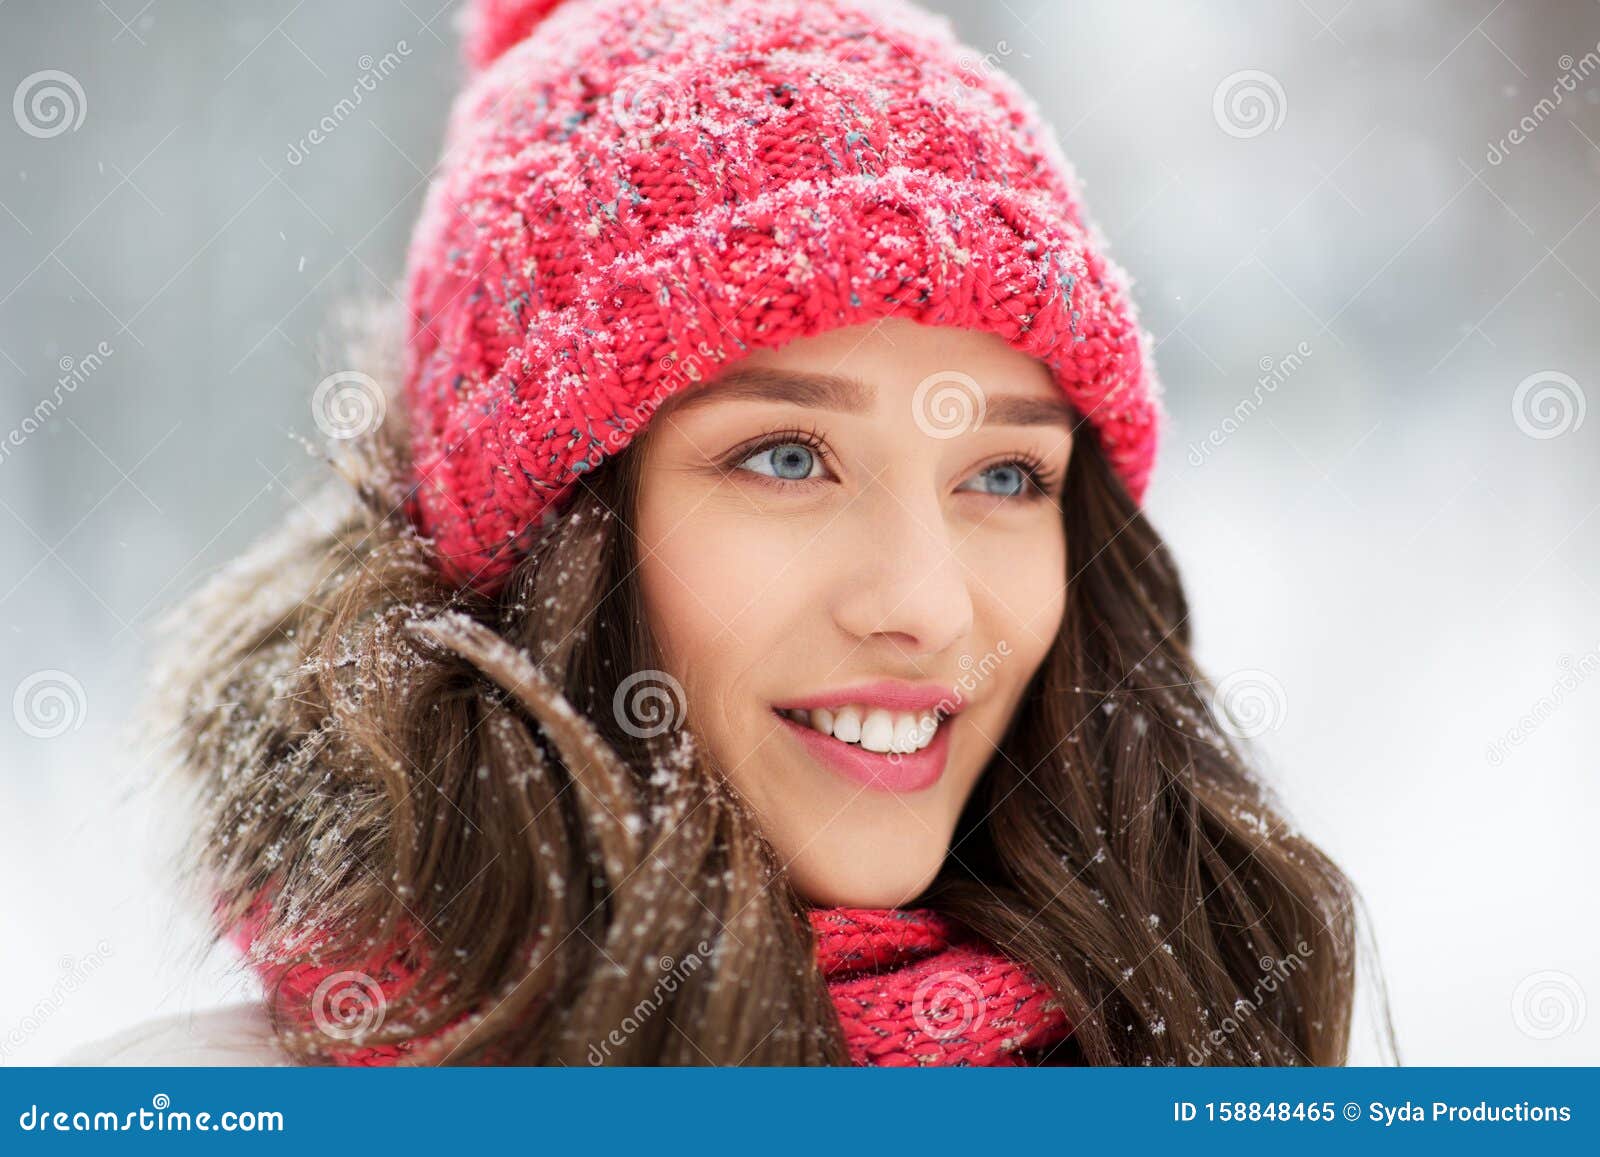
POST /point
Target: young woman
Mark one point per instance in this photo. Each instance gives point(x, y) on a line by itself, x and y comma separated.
point(739, 639)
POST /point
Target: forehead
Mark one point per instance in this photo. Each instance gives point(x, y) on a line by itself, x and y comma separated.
point(855, 369)
point(893, 349)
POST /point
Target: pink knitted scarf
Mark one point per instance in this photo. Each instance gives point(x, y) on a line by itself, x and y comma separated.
point(912, 989)
point(911, 986)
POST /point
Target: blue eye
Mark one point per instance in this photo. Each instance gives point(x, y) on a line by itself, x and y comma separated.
point(1007, 480)
point(789, 461)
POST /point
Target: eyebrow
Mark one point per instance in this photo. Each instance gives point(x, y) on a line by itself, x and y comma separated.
point(849, 395)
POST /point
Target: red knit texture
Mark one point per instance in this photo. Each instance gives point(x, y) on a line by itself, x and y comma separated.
point(912, 990)
point(636, 193)
point(911, 987)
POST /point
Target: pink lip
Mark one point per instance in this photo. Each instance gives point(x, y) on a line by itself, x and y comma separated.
point(879, 771)
point(889, 694)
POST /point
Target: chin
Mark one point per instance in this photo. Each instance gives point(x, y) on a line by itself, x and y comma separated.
point(825, 886)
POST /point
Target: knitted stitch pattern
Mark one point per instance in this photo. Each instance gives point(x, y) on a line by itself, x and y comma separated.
point(911, 989)
point(635, 193)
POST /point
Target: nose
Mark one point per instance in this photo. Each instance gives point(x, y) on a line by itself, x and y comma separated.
point(907, 584)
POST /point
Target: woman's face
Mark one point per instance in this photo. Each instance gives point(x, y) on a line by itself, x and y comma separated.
point(852, 558)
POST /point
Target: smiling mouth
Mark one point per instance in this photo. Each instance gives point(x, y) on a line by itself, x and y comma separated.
point(874, 729)
point(880, 749)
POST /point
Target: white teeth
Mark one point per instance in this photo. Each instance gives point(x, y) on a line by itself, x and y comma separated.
point(874, 728)
point(877, 730)
point(907, 733)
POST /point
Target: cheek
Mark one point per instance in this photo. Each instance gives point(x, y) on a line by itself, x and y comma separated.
point(684, 583)
point(718, 597)
point(1019, 602)
point(1022, 592)
point(674, 584)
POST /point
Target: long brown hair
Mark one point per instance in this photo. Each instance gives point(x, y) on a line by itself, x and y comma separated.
point(398, 764)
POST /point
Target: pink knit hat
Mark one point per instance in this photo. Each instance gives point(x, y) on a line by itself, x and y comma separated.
point(635, 193)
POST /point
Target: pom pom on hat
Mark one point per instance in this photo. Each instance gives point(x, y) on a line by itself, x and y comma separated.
point(490, 27)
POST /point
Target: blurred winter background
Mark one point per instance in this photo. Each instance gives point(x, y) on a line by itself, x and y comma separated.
point(1366, 237)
